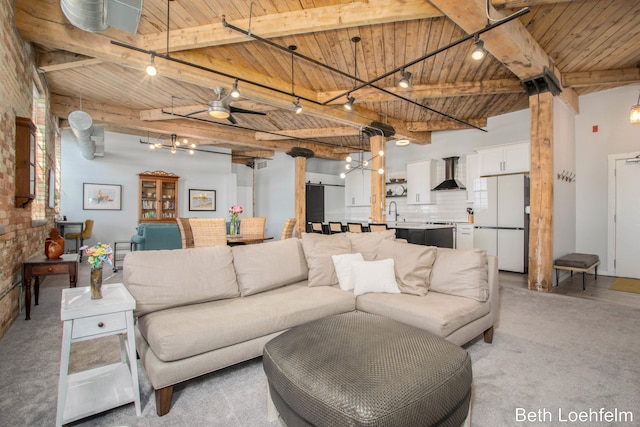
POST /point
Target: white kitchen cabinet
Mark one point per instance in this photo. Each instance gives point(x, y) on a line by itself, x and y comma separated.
point(357, 188)
point(421, 178)
point(471, 175)
point(505, 159)
point(464, 236)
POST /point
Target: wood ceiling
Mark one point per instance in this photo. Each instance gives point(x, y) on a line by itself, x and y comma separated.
point(591, 45)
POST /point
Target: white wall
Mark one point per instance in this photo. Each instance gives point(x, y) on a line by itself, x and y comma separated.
point(275, 193)
point(125, 157)
point(609, 110)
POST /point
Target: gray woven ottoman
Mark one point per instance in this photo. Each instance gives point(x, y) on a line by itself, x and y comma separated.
point(360, 369)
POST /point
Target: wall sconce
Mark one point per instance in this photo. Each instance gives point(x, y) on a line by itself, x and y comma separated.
point(634, 116)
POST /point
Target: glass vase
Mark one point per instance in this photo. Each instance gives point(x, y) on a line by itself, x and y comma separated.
point(234, 228)
point(96, 283)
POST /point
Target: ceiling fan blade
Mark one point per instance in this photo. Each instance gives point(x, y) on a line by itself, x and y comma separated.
point(243, 111)
point(195, 112)
point(232, 120)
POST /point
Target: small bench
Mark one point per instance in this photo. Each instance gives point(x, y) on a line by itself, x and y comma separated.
point(577, 262)
point(360, 369)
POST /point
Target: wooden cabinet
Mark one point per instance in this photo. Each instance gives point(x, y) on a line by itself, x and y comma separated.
point(25, 161)
point(505, 159)
point(357, 188)
point(421, 177)
point(158, 197)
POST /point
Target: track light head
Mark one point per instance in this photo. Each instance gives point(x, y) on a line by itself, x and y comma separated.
point(349, 104)
point(152, 70)
point(235, 93)
point(405, 81)
point(478, 52)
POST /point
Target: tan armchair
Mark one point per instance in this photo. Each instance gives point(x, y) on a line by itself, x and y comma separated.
point(208, 231)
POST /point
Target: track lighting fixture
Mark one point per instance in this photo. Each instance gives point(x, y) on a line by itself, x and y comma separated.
point(634, 116)
point(235, 93)
point(478, 52)
point(349, 104)
point(152, 70)
point(405, 81)
point(296, 106)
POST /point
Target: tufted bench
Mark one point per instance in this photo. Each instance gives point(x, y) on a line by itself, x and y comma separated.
point(360, 369)
point(577, 262)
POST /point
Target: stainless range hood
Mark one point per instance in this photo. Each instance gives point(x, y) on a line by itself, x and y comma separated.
point(450, 182)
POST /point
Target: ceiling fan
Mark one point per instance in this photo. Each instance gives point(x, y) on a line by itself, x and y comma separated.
point(220, 107)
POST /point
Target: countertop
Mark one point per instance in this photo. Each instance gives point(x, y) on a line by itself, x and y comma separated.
point(418, 225)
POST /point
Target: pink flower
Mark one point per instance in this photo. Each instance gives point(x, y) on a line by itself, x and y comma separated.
point(235, 209)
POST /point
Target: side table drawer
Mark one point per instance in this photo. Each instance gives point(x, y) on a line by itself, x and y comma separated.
point(101, 324)
point(43, 270)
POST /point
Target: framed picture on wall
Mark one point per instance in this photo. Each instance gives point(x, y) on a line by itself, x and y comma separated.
point(102, 197)
point(202, 200)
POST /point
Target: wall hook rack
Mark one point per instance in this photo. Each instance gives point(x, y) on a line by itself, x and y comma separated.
point(567, 176)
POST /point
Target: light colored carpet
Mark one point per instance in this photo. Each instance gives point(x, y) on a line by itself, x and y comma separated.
point(550, 353)
point(625, 284)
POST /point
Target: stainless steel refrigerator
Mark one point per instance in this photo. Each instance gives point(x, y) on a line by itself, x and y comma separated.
point(501, 219)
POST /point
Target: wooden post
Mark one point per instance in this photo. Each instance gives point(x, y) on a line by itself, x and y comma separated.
point(377, 181)
point(541, 193)
point(300, 195)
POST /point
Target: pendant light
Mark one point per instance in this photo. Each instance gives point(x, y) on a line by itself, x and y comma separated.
point(634, 116)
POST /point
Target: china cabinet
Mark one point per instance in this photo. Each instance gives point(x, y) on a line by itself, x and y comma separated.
point(158, 197)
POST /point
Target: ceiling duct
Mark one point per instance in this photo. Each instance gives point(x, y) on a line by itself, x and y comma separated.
point(90, 138)
point(450, 182)
point(300, 152)
point(377, 128)
point(95, 16)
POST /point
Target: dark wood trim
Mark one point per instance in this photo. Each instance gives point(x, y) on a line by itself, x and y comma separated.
point(163, 400)
point(488, 335)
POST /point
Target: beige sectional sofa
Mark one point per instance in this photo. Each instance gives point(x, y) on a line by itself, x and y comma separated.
point(203, 309)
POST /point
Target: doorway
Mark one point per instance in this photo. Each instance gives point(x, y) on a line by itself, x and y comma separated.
point(627, 217)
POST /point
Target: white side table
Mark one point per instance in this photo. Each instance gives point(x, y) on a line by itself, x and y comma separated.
point(95, 390)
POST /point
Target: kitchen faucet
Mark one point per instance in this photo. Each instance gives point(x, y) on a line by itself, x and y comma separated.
point(395, 211)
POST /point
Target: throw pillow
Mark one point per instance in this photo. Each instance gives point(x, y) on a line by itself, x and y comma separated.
point(413, 264)
point(461, 272)
point(367, 243)
point(318, 249)
point(374, 276)
point(342, 264)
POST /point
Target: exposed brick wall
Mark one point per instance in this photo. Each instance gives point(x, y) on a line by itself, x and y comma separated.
point(20, 239)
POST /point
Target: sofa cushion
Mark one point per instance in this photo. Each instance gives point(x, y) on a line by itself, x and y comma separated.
point(367, 243)
point(413, 264)
point(374, 276)
point(342, 264)
point(270, 265)
point(318, 249)
point(163, 279)
point(461, 272)
point(440, 314)
point(182, 332)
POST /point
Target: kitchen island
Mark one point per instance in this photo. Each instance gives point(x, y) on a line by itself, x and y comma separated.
point(420, 233)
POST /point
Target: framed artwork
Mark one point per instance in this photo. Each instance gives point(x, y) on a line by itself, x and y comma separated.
point(52, 189)
point(102, 197)
point(202, 200)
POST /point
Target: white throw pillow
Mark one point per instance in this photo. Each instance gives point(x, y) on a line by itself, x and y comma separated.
point(342, 264)
point(374, 276)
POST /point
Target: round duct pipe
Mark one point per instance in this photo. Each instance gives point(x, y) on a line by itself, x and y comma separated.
point(88, 15)
point(82, 127)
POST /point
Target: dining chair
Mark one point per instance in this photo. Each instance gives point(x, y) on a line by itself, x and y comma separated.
point(316, 227)
point(287, 230)
point(85, 234)
point(335, 227)
point(354, 227)
point(185, 232)
point(377, 227)
point(208, 232)
point(252, 226)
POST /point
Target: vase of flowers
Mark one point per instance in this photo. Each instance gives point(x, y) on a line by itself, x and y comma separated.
point(97, 257)
point(235, 212)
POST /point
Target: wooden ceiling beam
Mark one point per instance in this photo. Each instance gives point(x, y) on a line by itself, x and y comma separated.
point(440, 125)
point(510, 43)
point(304, 21)
point(591, 78)
point(63, 60)
point(215, 135)
point(46, 25)
point(308, 133)
point(436, 90)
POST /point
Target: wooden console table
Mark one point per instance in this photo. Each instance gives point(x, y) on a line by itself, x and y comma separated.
point(40, 265)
